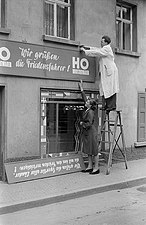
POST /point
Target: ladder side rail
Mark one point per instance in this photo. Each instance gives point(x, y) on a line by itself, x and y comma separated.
point(123, 141)
point(112, 145)
point(109, 131)
point(102, 131)
point(116, 141)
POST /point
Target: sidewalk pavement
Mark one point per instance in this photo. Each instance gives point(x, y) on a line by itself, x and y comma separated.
point(24, 195)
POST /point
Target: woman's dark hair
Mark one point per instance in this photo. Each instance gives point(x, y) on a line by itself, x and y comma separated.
point(93, 104)
point(106, 39)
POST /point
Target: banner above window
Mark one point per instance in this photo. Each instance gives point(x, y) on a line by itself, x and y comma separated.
point(31, 60)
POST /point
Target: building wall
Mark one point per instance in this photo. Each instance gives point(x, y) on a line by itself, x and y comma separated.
point(25, 20)
point(93, 18)
point(97, 19)
point(132, 78)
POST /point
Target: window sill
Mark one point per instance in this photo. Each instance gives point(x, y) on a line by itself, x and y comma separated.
point(5, 31)
point(140, 144)
point(128, 53)
point(60, 40)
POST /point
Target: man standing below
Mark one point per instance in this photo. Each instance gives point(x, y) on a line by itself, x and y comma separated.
point(108, 72)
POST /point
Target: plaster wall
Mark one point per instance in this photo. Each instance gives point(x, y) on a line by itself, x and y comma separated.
point(25, 20)
point(95, 20)
point(22, 118)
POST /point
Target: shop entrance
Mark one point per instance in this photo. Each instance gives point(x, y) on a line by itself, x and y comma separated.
point(2, 134)
point(61, 113)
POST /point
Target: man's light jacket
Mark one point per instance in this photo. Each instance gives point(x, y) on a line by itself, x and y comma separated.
point(108, 72)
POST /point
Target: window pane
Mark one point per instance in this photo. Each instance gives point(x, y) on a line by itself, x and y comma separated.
point(3, 13)
point(51, 132)
point(126, 13)
point(66, 129)
point(62, 21)
point(142, 103)
point(49, 19)
point(0, 13)
point(126, 37)
point(118, 11)
point(142, 117)
point(62, 127)
point(118, 33)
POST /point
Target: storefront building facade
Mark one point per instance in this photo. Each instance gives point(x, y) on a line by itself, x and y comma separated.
point(40, 67)
point(48, 115)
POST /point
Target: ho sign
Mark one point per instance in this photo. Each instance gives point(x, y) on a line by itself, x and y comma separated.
point(78, 63)
point(4, 54)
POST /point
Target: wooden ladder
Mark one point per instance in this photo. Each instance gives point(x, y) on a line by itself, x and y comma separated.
point(113, 138)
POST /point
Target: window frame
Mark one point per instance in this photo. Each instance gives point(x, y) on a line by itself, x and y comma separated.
point(56, 3)
point(133, 34)
point(2, 13)
point(3, 23)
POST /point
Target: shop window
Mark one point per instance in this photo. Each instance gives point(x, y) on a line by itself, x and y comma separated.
point(60, 118)
point(2, 13)
point(126, 26)
point(61, 113)
point(60, 129)
point(59, 18)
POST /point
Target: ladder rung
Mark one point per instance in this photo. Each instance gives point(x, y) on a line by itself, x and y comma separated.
point(112, 124)
point(110, 121)
point(102, 163)
point(116, 159)
point(118, 125)
point(106, 153)
point(101, 159)
point(106, 131)
point(105, 141)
